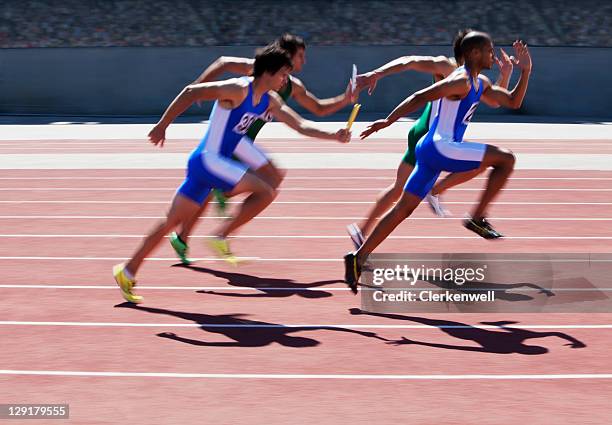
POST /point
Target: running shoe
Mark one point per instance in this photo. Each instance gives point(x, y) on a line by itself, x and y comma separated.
point(482, 228)
point(125, 284)
point(436, 206)
point(352, 271)
point(221, 247)
point(180, 248)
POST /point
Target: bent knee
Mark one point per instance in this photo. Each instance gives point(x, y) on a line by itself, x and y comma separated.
point(266, 190)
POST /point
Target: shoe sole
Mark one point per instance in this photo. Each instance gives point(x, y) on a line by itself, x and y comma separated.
point(349, 273)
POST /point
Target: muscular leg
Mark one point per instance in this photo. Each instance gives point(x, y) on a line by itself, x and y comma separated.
point(189, 223)
point(455, 179)
point(181, 209)
point(272, 175)
point(402, 210)
point(262, 194)
point(387, 197)
point(502, 161)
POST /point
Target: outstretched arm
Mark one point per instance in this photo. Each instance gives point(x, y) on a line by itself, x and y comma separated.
point(321, 107)
point(456, 85)
point(285, 114)
point(231, 91)
point(438, 65)
point(235, 65)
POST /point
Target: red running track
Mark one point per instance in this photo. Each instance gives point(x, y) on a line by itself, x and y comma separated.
point(216, 344)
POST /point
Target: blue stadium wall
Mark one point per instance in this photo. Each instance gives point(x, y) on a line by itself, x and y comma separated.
point(566, 82)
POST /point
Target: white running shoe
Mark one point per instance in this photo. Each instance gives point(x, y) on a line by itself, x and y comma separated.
point(436, 206)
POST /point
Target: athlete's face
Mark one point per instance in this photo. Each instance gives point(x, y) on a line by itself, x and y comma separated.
point(488, 56)
point(299, 59)
point(279, 79)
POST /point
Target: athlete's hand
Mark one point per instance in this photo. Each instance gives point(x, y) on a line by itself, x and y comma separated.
point(157, 135)
point(350, 95)
point(521, 53)
point(369, 80)
point(374, 127)
point(343, 135)
point(505, 63)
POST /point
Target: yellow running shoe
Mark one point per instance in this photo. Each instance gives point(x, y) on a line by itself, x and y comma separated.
point(126, 285)
point(221, 247)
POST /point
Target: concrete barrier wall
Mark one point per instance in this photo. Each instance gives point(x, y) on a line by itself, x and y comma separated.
point(566, 82)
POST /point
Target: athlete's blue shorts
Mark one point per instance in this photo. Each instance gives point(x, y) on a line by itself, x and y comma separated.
point(206, 170)
point(433, 157)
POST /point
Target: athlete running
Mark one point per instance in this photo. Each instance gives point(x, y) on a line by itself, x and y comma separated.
point(239, 102)
point(443, 148)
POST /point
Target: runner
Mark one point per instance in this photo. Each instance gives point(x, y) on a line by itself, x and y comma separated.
point(440, 67)
point(443, 148)
point(239, 102)
point(294, 88)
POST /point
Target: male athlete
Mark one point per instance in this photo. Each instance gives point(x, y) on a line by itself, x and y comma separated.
point(440, 67)
point(443, 148)
point(293, 88)
point(239, 102)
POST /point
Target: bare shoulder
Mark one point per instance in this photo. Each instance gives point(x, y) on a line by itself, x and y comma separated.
point(296, 83)
point(233, 91)
point(461, 76)
point(275, 100)
point(295, 80)
point(238, 85)
point(242, 82)
point(486, 80)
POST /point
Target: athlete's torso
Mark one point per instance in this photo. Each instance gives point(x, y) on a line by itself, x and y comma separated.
point(228, 126)
point(453, 116)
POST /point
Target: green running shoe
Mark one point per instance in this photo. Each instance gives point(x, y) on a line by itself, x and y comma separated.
point(180, 248)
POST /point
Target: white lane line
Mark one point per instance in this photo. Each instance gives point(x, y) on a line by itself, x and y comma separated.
point(574, 376)
point(290, 326)
point(399, 237)
point(290, 189)
point(290, 218)
point(166, 202)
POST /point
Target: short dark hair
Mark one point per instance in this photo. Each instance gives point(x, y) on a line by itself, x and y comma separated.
point(457, 43)
point(474, 40)
point(270, 59)
point(291, 43)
